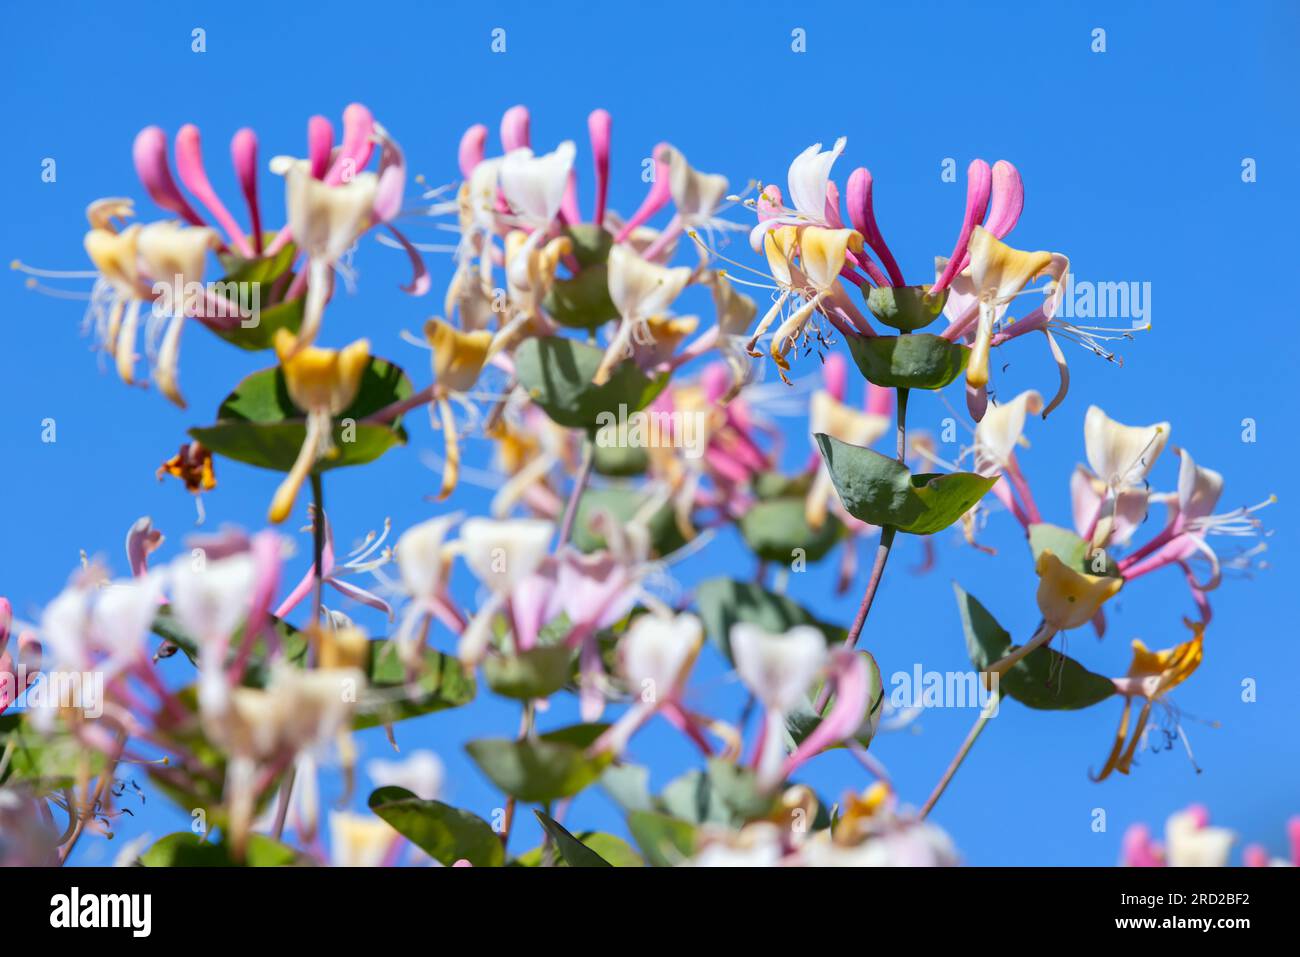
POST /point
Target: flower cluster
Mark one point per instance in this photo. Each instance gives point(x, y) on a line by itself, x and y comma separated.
point(603, 366)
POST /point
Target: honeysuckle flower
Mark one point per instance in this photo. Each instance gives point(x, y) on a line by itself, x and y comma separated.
point(1151, 676)
point(501, 554)
point(1139, 849)
point(1190, 841)
point(531, 267)
point(1257, 856)
point(142, 539)
point(697, 198)
point(1088, 498)
point(822, 254)
point(285, 724)
point(326, 220)
point(424, 559)
point(420, 772)
point(1068, 598)
point(368, 556)
point(1191, 521)
point(872, 832)
point(1122, 457)
point(641, 290)
point(655, 657)
point(16, 677)
point(130, 260)
point(360, 840)
point(192, 464)
point(999, 273)
point(27, 837)
point(170, 253)
point(322, 383)
point(779, 670)
point(458, 360)
point(101, 624)
point(996, 436)
point(210, 598)
point(534, 186)
point(757, 844)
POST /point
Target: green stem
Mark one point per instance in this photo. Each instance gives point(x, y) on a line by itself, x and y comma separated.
point(579, 486)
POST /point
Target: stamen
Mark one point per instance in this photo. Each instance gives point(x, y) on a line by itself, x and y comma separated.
point(19, 266)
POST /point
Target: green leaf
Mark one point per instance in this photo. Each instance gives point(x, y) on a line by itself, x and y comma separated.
point(46, 762)
point(882, 491)
point(665, 841)
point(629, 786)
point(574, 852)
point(1043, 679)
point(623, 504)
point(184, 849)
point(390, 696)
point(723, 793)
point(591, 243)
point(615, 851)
point(773, 485)
point(801, 722)
point(1073, 551)
point(259, 424)
point(272, 278)
point(445, 833)
point(906, 308)
point(947, 497)
point(776, 528)
point(536, 673)
point(919, 361)
point(557, 373)
point(582, 301)
point(270, 320)
point(618, 461)
point(536, 771)
point(722, 602)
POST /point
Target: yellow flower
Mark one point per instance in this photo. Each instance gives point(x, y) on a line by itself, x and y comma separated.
point(999, 273)
point(321, 382)
point(458, 359)
point(1151, 676)
point(822, 253)
point(1068, 598)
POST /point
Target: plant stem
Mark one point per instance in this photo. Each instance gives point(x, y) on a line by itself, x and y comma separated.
point(391, 411)
point(902, 424)
point(579, 486)
point(282, 808)
point(525, 731)
point(887, 533)
point(960, 756)
point(318, 541)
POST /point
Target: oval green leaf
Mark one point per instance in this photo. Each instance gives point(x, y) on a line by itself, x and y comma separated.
point(258, 423)
point(919, 361)
point(557, 373)
point(1044, 679)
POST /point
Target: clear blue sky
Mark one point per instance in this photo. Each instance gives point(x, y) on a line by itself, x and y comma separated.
point(1132, 164)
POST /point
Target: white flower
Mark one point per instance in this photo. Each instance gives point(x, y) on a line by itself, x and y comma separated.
point(421, 773)
point(778, 669)
point(534, 185)
point(1000, 431)
point(1122, 455)
point(656, 653)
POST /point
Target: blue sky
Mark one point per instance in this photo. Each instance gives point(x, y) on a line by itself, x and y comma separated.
point(1132, 161)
